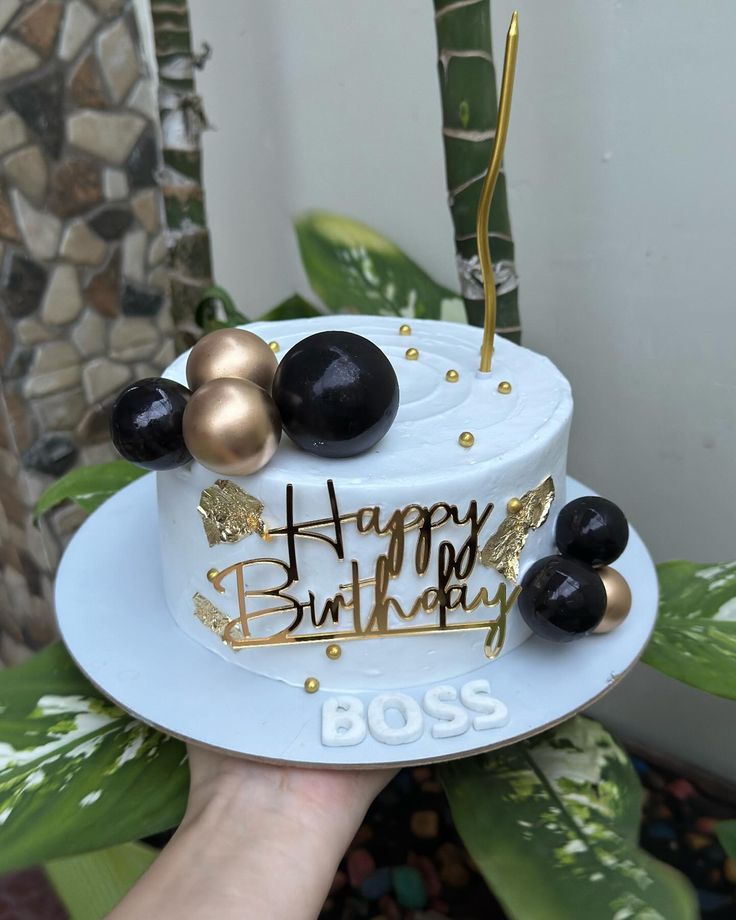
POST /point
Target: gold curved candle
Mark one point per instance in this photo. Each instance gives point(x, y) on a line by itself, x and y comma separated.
point(489, 184)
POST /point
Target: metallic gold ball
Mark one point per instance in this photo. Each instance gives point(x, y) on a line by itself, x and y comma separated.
point(618, 594)
point(212, 574)
point(274, 346)
point(405, 329)
point(311, 685)
point(452, 376)
point(504, 387)
point(412, 354)
point(231, 353)
point(231, 426)
point(514, 506)
point(333, 652)
point(466, 439)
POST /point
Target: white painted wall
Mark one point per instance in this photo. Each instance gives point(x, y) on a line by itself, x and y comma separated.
point(623, 201)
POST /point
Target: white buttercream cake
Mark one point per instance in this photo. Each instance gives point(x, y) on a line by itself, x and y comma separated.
point(394, 568)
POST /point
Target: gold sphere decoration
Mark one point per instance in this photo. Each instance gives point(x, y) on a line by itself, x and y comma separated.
point(452, 376)
point(412, 354)
point(405, 329)
point(333, 652)
point(504, 387)
point(231, 353)
point(212, 574)
point(466, 439)
point(618, 594)
point(231, 426)
point(311, 685)
point(514, 506)
point(274, 346)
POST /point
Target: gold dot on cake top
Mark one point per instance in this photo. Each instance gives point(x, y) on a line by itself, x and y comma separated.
point(411, 354)
point(311, 685)
point(405, 329)
point(466, 439)
point(212, 574)
point(514, 506)
point(274, 346)
point(452, 376)
point(333, 652)
point(504, 387)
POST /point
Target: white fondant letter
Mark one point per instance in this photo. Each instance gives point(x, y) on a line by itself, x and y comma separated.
point(454, 720)
point(476, 695)
point(343, 723)
point(410, 712)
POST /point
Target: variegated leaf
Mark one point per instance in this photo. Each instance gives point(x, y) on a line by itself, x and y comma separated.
point(89, 486)
point(353, 268)
point(552, 824)
point(695, 637)
point(77, 773)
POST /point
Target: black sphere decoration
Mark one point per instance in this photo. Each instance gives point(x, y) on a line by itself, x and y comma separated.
point(561, 599)
point(337, 394)
point(146, 423)
point(593, 530)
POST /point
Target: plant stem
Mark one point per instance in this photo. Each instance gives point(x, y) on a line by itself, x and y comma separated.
point(469, 113)
point(182, 121)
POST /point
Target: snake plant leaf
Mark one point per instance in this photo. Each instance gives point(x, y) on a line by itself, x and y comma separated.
point(77, 773)
point(694, 640)
point(351, 268)
point(92, 884)
point(552, 823)
point(726, 833)
point(89, 486)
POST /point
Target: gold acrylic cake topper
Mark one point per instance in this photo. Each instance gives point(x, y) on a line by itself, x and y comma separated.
point(489, 184)
point(273, 608)
point(229, 513)
point(503, 549)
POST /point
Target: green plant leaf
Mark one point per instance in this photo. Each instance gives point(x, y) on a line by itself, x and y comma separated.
point(294, 307)
point(695, 637)
point(726, 833)
point(92, 884)
point(217, 310)
point(352, 268)
point(89, 486)
point(552, 823)
point(77, 773)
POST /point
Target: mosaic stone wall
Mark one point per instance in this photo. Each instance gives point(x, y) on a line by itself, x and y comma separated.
point(83, 285)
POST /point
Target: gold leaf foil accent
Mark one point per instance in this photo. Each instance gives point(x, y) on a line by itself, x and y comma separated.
point(209, 616)
point(229, 513)
point(503, 549)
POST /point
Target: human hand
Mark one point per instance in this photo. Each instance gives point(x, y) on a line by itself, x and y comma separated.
point(256, 841)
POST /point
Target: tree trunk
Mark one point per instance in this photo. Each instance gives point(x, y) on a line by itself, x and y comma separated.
point(182, 122)
point(469, 113)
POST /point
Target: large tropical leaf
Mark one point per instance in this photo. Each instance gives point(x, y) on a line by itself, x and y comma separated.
point(89, 486)
point(91, 885)
point(552, 824)
point(77, 773)
point(695, 637)
point(294, 307)
point(353, 268)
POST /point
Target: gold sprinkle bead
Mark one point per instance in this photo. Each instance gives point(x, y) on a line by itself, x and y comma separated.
point(452, 376)
point(405, 329)
point(311, 685)
point(333, 652)
point(274, 346)
point(514, 506)
point(412, 354)
point(504, 387)
point(466, 439)
point(212, 574)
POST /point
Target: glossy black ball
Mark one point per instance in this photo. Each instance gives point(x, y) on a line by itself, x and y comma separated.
point(337, 394)
point(561, 599)
point(146, 423)
point(593, 530)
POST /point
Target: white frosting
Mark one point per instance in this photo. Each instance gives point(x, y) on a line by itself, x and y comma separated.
point(520, 440)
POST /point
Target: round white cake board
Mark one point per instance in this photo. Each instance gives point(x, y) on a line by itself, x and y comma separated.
point(114, 620)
